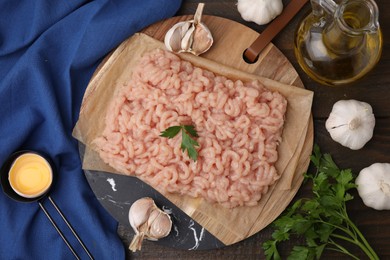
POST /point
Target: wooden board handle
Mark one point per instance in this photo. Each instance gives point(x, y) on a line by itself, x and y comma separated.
point(252, 53)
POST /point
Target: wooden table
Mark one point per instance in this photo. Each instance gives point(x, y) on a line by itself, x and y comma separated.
point(373, 88)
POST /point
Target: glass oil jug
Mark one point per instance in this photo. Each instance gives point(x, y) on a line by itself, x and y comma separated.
point(338, 43)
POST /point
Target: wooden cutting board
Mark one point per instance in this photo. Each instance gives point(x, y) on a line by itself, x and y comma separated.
point(230, 41)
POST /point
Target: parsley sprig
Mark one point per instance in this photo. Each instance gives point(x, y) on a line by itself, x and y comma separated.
point(323, 219)
point(187, 143)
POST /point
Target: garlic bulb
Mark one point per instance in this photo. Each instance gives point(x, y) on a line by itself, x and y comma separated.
point(351, 123)
point(373, 185)
point(190, 36)
point(148, 221)
point(259, 11)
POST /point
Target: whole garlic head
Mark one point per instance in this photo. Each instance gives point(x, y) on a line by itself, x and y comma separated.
point(373, 185)
point(190, 36)
point(259, 11)
point(148, 221)
point(351, 123)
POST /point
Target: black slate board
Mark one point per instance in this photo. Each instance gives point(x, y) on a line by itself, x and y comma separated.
point(118, 192)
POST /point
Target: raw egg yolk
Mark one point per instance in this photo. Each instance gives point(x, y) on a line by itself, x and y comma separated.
point(30, 175)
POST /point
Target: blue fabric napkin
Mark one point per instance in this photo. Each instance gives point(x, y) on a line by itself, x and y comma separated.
point(48, 53)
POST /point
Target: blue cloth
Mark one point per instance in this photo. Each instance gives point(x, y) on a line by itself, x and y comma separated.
point(48, 53)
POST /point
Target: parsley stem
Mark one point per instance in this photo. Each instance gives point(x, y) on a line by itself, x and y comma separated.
point(357, 243)
point(362, 238)
point(344, 238)
point(341, 249)
point(363, 244)
point(358, 234)
point(341, 228)
point(348, 220)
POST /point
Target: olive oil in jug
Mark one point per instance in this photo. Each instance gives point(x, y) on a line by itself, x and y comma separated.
point(338, 44)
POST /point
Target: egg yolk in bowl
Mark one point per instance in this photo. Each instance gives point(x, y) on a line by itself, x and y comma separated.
point(30, 175)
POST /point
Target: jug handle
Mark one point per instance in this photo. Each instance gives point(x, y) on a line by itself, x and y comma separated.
point(319, 6)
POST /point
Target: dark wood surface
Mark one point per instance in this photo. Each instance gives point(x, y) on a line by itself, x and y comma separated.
point(374, 88)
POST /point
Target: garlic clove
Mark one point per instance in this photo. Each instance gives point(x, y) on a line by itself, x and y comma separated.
point(174, 36)
point(202, 37)
point(160, 225)
point(190, 36)
point(187, 39)
point(204, 40)
point(139, 212)
point(147, 221)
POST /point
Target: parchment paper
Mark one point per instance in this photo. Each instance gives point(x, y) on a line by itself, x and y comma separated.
point(228, 225)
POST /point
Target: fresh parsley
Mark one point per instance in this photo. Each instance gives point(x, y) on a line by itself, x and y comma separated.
point(322, 220)
point(187, 143)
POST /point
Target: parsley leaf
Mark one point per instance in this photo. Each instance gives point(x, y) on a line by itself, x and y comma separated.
point(187, 143)
point(270, 250)
point(171, 132)
point(299, 253)
point(322, 219)
point(191, 130)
